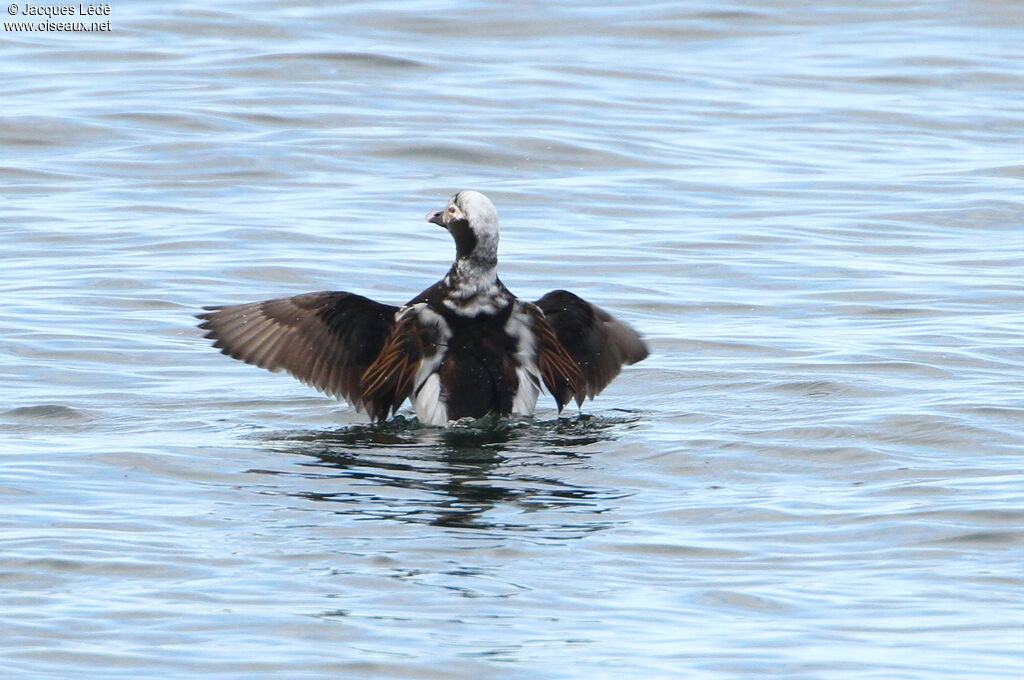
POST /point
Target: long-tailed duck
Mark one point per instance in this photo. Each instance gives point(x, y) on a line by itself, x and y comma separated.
point(465, 347)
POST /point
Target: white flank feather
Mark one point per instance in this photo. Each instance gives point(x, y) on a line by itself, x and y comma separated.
point(518, 326)
point(428, 401)
point(429, 404)
point(525, 401)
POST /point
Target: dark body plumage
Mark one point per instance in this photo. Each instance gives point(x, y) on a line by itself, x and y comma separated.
point(478, 370)
point(465, 347)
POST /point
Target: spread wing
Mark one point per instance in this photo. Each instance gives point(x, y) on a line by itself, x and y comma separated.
point(395, 368)
point(327, 340)
point(559, 371)
point(598, 343)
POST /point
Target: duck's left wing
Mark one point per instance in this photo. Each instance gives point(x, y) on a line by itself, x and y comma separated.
point(327, 340)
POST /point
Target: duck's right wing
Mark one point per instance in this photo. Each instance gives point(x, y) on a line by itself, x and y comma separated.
point(598, 343)
point(328, 340)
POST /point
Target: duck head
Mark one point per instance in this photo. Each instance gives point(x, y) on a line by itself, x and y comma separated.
point(471, 219)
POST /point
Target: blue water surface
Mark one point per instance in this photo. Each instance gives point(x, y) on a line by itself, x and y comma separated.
point(812, 211)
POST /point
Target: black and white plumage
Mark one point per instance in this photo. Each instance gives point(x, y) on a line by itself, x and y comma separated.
point(465, 347)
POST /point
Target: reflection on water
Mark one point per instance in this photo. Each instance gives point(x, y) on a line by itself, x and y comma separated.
point(454, 477)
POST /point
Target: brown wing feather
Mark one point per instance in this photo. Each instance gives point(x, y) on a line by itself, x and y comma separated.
point(393, 370)
point(561, 374)
point(327, 340)
point(598, 343)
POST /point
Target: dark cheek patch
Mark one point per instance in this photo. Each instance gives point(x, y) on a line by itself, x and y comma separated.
point(465, 239)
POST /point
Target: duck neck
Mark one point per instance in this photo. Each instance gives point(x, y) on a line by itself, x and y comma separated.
point(474, 273)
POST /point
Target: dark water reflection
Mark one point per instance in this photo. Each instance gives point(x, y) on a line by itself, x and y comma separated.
point(453, 477)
